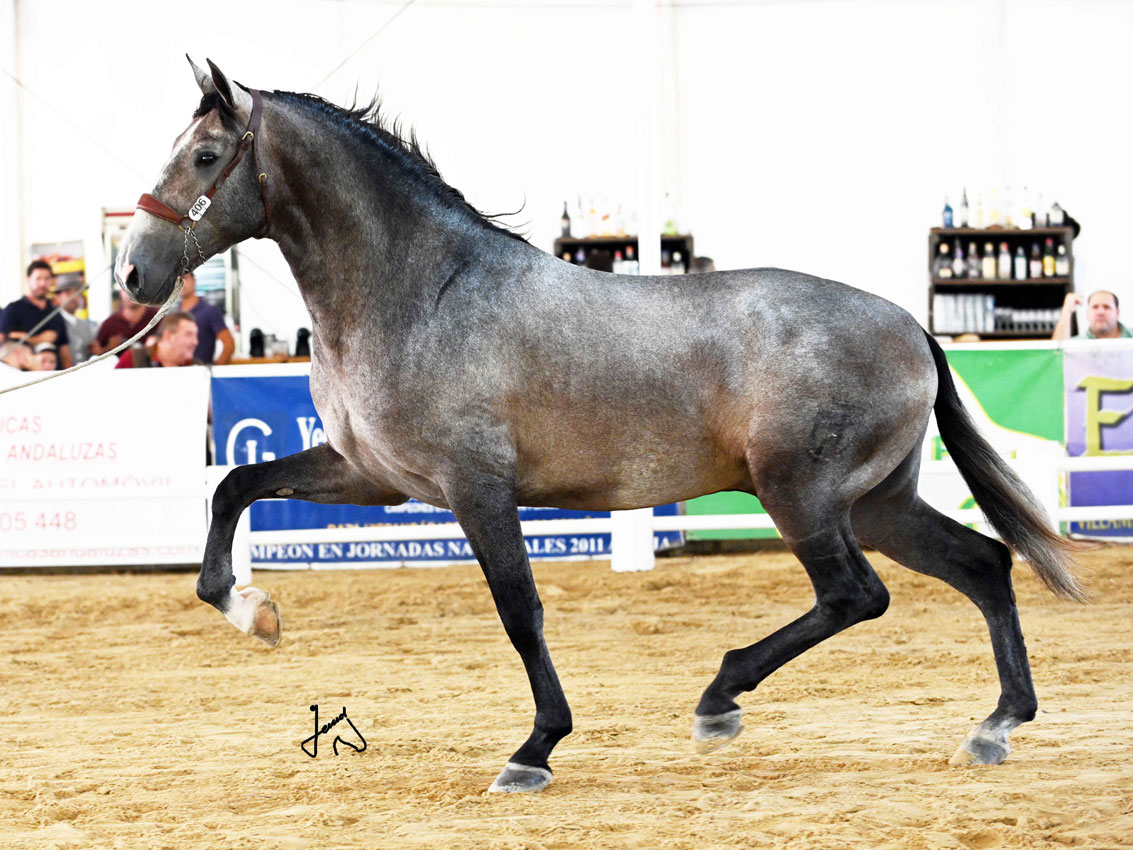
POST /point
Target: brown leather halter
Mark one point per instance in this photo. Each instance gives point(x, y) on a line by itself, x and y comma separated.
point(148, 203)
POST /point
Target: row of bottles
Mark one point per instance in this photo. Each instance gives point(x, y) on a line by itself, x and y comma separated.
point(978, 313)
point(1003, 210)
point(624, 262)
point(602, 218)
point(1047, 260)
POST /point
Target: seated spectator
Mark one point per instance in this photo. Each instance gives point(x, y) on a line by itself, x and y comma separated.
point(176, 342)
point(122, 325)
point(23, 316)
point(210, 325)
point(48, 358)
point(17, 356)
point(82, 331)
point(1102, 316)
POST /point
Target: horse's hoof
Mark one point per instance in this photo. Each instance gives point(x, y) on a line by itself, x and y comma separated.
point(520, 777)
point(715, 731)
point(264, 622)
point(979, 751)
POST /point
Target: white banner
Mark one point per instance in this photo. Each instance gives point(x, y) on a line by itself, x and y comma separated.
point(104, 467)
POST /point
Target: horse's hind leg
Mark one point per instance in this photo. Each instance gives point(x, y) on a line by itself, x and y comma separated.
point(918, 537)
point(847, 591)
point(317, 475)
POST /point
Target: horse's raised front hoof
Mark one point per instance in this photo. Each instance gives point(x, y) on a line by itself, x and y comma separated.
point(715, 731)
point(264, 622)
point(978, 750)
point(520, 777)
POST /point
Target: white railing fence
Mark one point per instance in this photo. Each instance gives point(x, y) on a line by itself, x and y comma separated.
point(631, 541)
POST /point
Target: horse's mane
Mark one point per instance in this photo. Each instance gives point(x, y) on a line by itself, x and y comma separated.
point(367, 124)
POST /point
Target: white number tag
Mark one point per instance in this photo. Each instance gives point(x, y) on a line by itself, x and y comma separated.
point(197, 210)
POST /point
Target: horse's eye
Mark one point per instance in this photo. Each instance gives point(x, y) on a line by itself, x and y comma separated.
point(206, 158)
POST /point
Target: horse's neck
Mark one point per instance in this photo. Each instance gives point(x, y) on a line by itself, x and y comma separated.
point(363, 243)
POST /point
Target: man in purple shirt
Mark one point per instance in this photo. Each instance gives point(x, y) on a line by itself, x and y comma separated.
point(210, 326)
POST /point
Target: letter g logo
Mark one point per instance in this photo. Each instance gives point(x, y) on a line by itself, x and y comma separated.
point(248, 449)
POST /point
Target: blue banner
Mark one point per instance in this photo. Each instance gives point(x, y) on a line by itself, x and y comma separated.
point(266, 416)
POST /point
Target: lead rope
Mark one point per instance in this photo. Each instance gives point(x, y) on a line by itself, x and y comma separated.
point(173, 296)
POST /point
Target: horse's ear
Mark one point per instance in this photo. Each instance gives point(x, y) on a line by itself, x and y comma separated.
point(203, 79)
point(235, 96)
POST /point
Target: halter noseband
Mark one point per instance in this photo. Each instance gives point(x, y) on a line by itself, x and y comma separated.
point(148, 203)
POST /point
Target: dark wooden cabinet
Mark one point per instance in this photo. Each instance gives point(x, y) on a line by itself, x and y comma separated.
point(994, 307)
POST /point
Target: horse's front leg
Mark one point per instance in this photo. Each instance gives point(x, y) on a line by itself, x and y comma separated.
point(486, 510)
point(317, 475)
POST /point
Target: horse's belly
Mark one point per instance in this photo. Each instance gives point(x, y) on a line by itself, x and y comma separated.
point(613, 476)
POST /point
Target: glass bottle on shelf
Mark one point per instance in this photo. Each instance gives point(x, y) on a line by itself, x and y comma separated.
point(943, 270)
point(974, 264)
point(1026, 215)
point(580, 256)
point(1062, 262)
point(1020, 264)
point(1004, 261)
point(979, 213)
point(959, 265)
point(1036, 265)
point(1057, 217)
point(1008, 209)
point(993, 209)
point(947, 214)
point(1048, 258)
point(987, 269)
point(579, 222)
point(963, 217)
point(678, 265)
point(619, 263)
point(565, 222)
point(630, 265)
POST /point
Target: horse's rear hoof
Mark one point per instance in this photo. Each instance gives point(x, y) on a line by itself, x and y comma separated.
point(979, 751)
point(520, 777)
point(713, 732)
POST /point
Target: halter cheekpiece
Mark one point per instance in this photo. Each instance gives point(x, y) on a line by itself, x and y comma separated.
point(148, 203)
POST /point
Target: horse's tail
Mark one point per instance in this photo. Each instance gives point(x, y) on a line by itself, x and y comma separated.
point(1004, 499)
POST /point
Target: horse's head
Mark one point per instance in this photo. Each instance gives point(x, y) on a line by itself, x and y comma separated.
point(207, 171)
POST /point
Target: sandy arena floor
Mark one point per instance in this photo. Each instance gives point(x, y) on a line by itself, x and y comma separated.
point(136, 717)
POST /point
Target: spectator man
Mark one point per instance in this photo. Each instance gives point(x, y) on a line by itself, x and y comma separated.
point(81, 331)
point(210, 325)
point(122, 325)
point(23, 316)
point(176, 342)
point(1101, 316)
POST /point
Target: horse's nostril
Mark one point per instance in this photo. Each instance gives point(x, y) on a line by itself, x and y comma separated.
point(133, 279)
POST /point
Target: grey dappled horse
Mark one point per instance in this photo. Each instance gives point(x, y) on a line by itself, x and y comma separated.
point(457, 364)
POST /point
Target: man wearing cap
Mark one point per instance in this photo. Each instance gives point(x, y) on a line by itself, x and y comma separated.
point(22, 316)
point(81, 331)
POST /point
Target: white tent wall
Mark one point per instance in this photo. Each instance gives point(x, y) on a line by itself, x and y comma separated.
point(820, 136)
